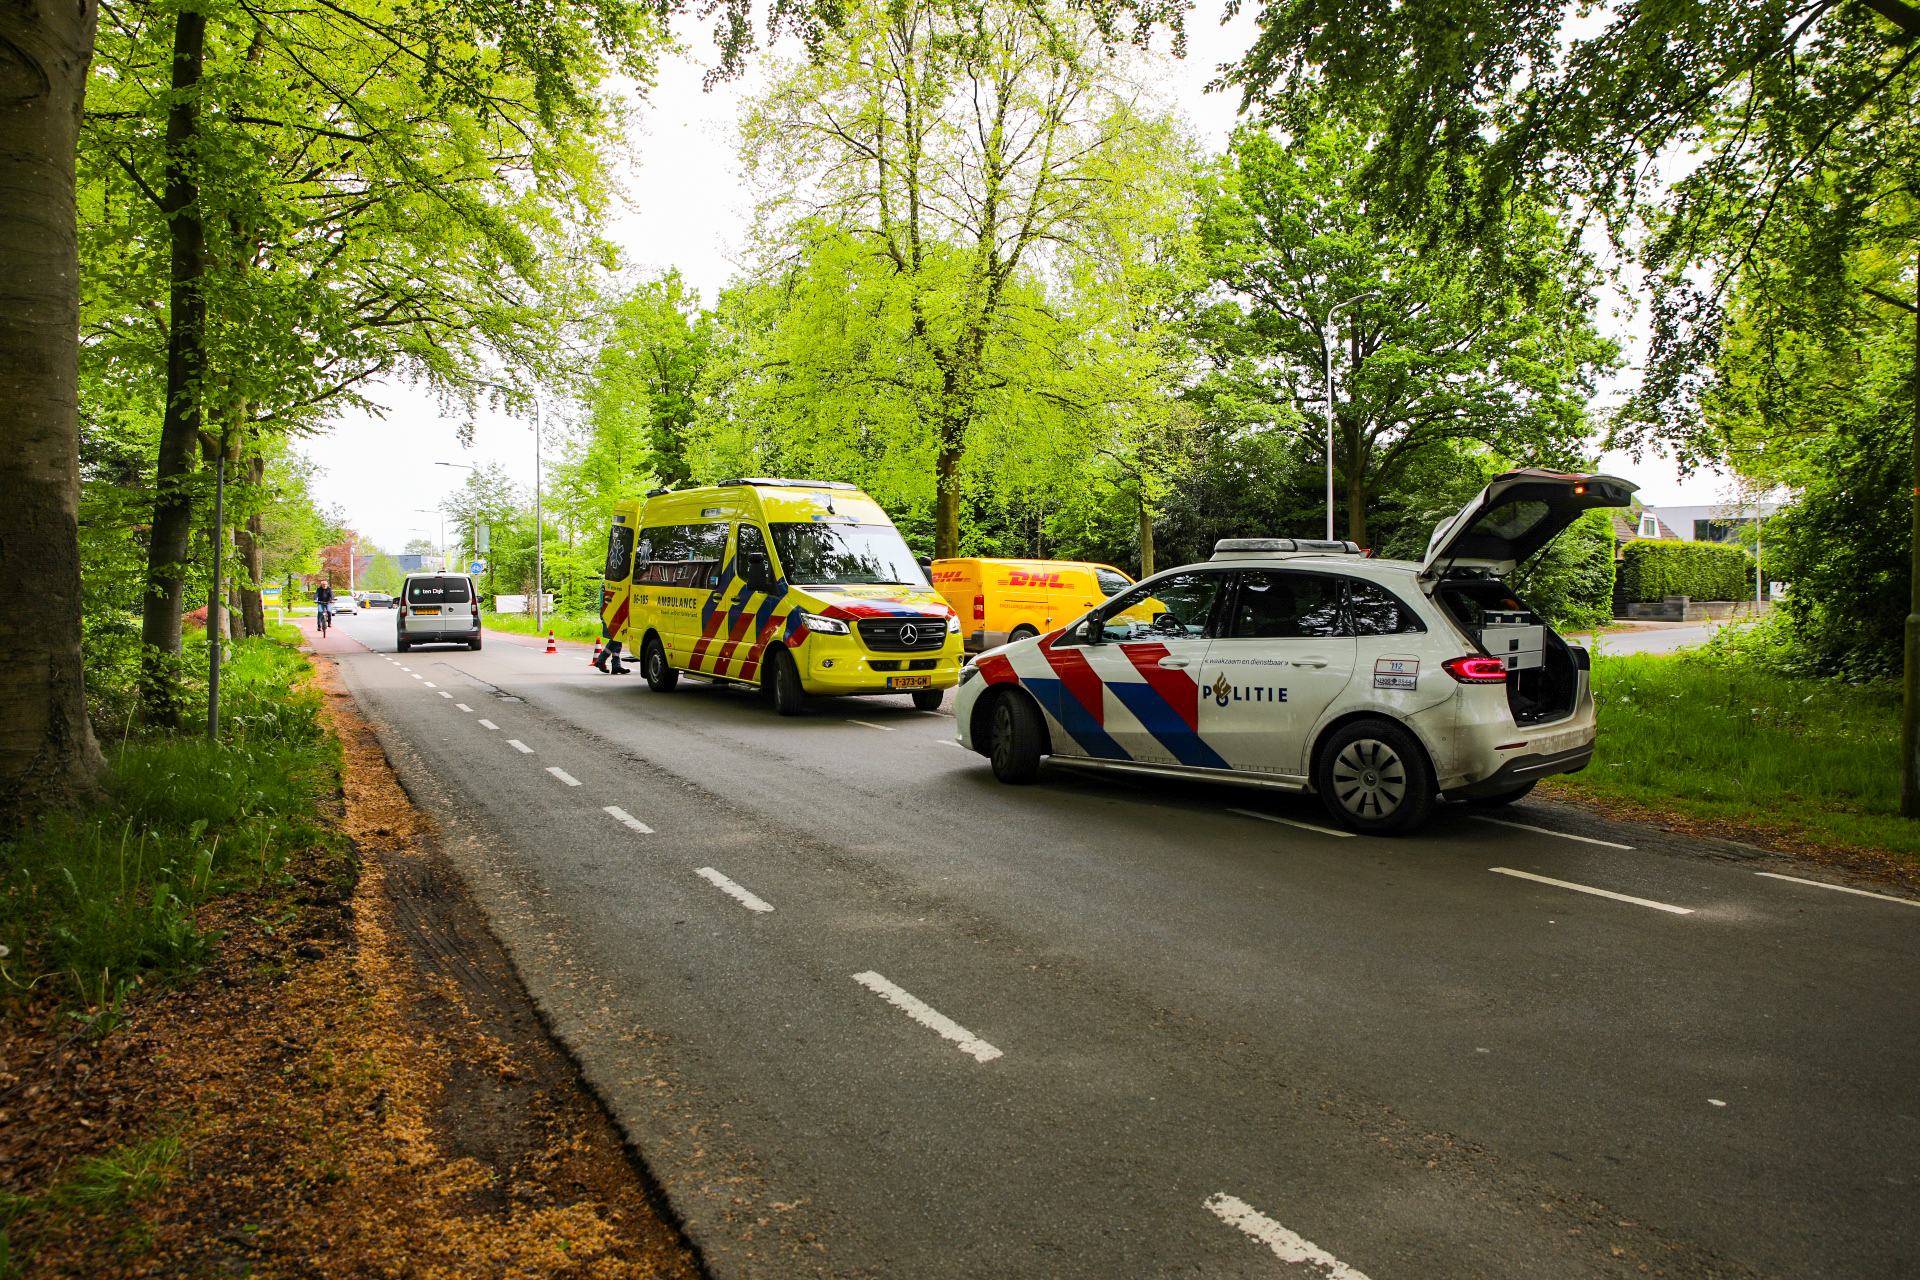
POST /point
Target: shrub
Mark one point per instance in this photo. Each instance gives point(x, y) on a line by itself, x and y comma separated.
point(1703, 570)
point(1570, 582)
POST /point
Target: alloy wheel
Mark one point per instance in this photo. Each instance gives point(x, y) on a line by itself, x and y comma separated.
point(1369, 778)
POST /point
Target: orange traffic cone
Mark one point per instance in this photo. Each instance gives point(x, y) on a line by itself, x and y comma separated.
point(551, 647)
point(595, 659)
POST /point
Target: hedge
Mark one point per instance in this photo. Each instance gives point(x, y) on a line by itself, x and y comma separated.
point(1651, 570)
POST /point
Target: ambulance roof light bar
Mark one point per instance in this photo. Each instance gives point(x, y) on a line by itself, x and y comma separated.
point(776, 482)
point(1241, 548)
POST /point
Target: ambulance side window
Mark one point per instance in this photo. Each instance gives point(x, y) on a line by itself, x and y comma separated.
point(619, 553)
point(707, 547)
point(1272, 605)
point(662, 552)
point(1375, 611)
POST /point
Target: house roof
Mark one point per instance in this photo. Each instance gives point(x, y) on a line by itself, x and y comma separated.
point(1626, 526)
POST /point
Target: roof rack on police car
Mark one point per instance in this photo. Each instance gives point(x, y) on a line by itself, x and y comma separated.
point(1241, 548)
point(776, 482)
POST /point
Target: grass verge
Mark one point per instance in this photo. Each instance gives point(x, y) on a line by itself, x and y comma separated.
point(582, 627)
point(1716, 737)
point(94, 905)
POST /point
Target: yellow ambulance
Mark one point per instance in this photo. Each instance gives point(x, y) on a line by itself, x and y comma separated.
point(1000, 601)
point(796, 586)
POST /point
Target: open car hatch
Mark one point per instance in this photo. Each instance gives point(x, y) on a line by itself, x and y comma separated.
point(1518, 513)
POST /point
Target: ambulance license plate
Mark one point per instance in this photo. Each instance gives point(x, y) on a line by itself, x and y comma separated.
point(427, 611)
point(909, 682)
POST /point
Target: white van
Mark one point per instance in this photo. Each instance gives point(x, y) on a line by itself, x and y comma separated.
point(437, 608)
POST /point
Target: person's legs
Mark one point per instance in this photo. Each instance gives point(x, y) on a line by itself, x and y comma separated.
point(613, 658)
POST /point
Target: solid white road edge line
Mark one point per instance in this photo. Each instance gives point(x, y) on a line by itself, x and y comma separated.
point(948, 742)
point(489, 724)
point(621, 815)
point(927, 1016)
point(1822, 884)
point(1288, 1246)
point(1598, 893)
point(563, 775)
point(520, 746)
point(1267, 817)
point(733, 890)
point(871, 725)
point(1521, 826)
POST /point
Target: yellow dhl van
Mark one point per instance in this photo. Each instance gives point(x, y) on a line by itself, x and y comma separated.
point(796, 586)
point(1003, 600)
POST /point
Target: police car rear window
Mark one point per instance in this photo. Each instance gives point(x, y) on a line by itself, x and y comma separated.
point(437, 591)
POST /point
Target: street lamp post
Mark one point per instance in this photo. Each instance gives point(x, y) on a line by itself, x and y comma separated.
point(1326, 349)
point(443, 533)
point(539, 525)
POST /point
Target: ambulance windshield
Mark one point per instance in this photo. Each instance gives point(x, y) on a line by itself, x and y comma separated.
point(825, 553)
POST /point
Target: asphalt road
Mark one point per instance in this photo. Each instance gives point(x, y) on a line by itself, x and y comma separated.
point(1113, 1029)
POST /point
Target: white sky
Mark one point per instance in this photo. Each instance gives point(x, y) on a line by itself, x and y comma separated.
point(689, 210)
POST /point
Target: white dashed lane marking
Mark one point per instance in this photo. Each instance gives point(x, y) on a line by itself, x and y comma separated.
point(1304, 826)
point(622, 816)
point(927, 1016)
point(445, 694)
point(733, 890)
point(489, 724)
point(417, 676)
point(1598, 893)
point(871, 725)
point(464, 707)
point(432, 685)
point(1822, 884)
point(1521, 826)
point(563, 775)
point(1288, 1246)
point(518, 745)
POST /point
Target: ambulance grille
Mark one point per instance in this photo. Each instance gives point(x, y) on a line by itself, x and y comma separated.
point(883, 634)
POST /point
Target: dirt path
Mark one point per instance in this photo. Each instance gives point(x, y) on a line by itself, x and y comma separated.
point(356, 1086)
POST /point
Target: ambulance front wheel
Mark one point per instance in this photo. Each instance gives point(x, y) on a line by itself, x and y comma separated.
point(928, 699)
point(1016, 738)
point(661, 678)
point(782, 683)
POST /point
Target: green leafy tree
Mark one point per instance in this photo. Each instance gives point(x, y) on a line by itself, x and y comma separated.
point(644, 394)
point(932, 172)
point(1447, 350)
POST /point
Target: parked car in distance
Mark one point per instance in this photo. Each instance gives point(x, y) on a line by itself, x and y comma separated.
point(378, 600)
point(345, 604)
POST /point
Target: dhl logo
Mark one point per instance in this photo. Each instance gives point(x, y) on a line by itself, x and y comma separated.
point(1019, 579)
point(948, 575)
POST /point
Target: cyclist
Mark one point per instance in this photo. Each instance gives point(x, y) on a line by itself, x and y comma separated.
point(323, 602)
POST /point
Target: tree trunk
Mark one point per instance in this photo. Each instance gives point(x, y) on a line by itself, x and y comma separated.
point(946, 512)
point(167, 548)
point(1356, 495)
point(1910, 681)
point(252, 612)
point(1146, 539)
point(48, 757)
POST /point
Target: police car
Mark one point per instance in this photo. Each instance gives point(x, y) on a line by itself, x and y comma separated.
point(1383, 686)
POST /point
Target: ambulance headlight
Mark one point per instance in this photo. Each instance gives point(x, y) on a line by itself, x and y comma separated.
point(953, 624)
point(824, 626)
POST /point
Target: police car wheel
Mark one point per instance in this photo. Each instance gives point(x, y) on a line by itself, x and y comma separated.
point(928, 699)
point(661, 678)
point(1504, 797)
point(783, 684)
point(1373, 777)
point(1016, 738)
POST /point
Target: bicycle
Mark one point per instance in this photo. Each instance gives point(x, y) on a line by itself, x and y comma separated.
point(324, 617)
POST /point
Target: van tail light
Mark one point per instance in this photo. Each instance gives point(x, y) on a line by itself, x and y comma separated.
point(403, 610)
point(1477, 670)
point(980, 608)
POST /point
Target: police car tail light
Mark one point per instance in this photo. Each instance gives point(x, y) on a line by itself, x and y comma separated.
point(1477, 670)
point(980, 608)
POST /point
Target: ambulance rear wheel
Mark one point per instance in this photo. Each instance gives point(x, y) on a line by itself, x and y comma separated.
point(1373, 776)
point(661, 678)
point(1016, 738)
point(928, 699)
point(1022, 632)
point(782, 683)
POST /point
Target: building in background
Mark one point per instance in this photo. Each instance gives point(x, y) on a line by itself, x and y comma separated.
point(1713, 521)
